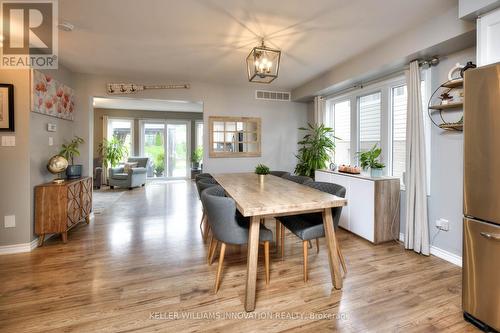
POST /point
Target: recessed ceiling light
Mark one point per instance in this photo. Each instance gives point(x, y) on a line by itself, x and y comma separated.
point(66, 26)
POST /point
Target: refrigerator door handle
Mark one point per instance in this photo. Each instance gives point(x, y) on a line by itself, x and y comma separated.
point(490, 236)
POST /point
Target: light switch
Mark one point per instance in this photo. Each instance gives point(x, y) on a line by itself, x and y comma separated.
point(8, 141)
point(51, 127)
point(51, 141)
point(9, 221)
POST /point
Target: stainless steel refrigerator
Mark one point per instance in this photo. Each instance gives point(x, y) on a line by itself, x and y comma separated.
point(481, 246)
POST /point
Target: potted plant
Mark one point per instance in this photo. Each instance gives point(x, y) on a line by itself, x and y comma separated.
point(370, 159)
point(112, 151)
point(316, 147)
point(262, 171)
point(196, 158)
point(69, 151)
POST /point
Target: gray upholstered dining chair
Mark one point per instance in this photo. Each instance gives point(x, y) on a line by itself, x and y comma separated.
point(228, 228)
point(202, 175)
point(310, 226)
point(298, 179)
point(201, 185)
point(279, 173)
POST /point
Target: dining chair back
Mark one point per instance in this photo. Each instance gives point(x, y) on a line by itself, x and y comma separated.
point(279, 173)
point(298, 179)
point(227, 228)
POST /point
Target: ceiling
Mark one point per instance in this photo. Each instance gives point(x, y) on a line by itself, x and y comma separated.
point(126, 103)
point(208, 40)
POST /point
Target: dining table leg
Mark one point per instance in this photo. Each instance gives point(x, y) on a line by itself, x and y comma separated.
point(333, 255)
point(253, 255)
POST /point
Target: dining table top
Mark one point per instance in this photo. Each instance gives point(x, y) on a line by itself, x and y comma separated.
point(274, 195)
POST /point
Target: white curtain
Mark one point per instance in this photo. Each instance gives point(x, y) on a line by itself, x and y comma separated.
point(319, 115)
point(417, 227)
point(104, 136)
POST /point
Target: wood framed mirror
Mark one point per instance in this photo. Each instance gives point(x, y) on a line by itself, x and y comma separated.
point(234, 137)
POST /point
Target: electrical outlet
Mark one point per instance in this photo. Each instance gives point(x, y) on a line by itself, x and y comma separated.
point(8, 141)
point(443, 224)
point(9, 221)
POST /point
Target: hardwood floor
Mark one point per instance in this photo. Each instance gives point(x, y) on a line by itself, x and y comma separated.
point(143, 260)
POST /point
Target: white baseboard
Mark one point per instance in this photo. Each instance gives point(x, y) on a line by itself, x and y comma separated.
point(34, 244)
point(19, 248)
point(445, 255)
point(440, 253)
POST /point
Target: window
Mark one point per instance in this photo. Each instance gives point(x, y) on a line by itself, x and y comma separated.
point(340, 120)
point(369, 120)
point(123, 129)
point(199, 134)
point(378, 114)
point(398, 102)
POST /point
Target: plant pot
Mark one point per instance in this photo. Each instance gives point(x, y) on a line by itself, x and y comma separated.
point(262, 178)
point(195, 165)
point(376, 173)
point(74, 171)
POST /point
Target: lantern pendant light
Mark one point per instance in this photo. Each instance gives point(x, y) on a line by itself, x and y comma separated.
point(263, 64)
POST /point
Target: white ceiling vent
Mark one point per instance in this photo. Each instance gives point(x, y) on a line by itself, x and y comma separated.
point(283, 96)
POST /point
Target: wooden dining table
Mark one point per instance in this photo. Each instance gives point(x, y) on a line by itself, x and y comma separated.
point(273, 197)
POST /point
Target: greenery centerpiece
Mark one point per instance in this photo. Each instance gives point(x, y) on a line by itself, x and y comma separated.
point(69, 151)
point(262, 170)
point(315, 151)
point(112, 151)
point(370, 159)
point(196, 158)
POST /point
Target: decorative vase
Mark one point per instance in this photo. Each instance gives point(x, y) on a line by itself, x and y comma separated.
point(74, 171)
point(376, 173)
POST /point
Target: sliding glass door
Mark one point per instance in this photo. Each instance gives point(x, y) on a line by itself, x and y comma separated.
point(166, 143)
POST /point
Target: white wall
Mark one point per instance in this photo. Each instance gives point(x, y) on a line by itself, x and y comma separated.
point(471, 9)
point(443, 33)
point(14, 163)
point(40, 151)
point(446, 199)
point(280, 120)
point(446, 192)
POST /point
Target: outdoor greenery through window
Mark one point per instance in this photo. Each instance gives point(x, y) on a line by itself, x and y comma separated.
point(154, 147)
point(123, 130)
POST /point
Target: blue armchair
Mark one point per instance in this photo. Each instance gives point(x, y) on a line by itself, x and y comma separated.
point(133, 178)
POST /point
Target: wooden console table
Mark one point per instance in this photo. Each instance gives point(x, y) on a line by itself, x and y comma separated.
point(59, 207)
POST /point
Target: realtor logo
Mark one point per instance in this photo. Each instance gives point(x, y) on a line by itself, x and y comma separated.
point(29, 34)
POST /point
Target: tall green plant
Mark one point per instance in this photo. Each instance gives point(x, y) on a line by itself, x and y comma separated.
point(70, 150)
point(316, 147)
point(112, 151)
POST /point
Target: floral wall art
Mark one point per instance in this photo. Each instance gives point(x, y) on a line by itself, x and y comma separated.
point(51, 97)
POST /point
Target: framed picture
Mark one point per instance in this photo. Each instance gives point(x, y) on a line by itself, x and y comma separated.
point(51, 97)
point(6, 107)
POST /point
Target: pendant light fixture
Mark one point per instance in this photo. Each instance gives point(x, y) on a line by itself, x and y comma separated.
point(263, 64)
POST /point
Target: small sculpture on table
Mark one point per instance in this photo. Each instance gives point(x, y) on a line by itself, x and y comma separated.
point(57, 165)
